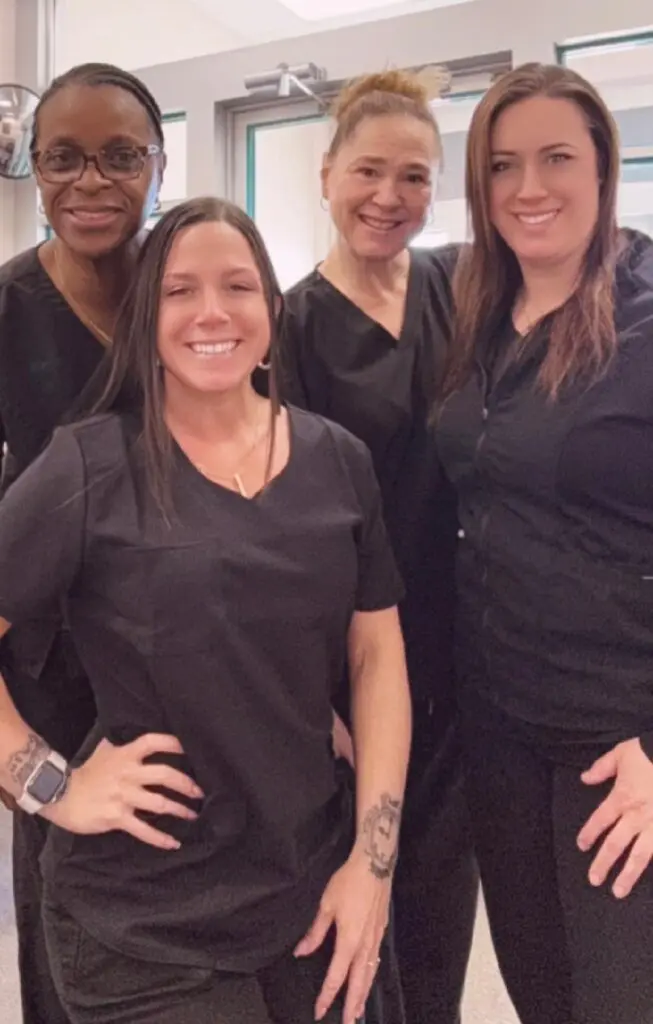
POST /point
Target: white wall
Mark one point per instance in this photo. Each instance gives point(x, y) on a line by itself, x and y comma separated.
point(133, 33)
point(7, 73)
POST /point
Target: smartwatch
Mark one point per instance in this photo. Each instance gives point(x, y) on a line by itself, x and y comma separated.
point(46, 785)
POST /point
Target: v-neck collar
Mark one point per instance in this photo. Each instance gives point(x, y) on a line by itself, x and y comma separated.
point(411, 303)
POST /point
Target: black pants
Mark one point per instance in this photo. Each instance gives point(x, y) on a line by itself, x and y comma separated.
point(569, 953)
point(59, 706)
point(99, 986)
point(436, 886)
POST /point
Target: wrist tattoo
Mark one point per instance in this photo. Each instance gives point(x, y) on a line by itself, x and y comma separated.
point(21, 764)
point(381, 835)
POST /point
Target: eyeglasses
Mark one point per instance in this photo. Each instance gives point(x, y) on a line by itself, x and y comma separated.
point(65, 164)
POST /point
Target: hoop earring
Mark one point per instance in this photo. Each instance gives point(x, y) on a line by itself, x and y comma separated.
point(324, 203)
point(265, 366)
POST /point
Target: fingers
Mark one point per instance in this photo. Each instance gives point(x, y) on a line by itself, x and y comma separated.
point(361, 978)
point(156, 803)
point(336, 976)
point(169, 778)
point(316, 934)
point(603, 769)
point(604, 817)
point(147, 834)
point(155, 743)
point(612, 848)
point(638, 860)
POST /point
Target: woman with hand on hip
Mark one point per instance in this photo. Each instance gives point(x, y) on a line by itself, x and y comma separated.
point(220, 559)
point(364, 341)
point(546, 431)
point(97, 149)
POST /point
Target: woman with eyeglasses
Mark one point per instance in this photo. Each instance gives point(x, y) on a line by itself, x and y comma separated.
point(97, 150)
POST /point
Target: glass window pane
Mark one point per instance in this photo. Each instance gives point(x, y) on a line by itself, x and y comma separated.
point(175, 187)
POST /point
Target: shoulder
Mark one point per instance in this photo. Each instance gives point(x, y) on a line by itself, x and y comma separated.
point(21, 270)
point(103, 441)
point(634, 286)
point(319, 433)
point(442, 261)
point(304, 297)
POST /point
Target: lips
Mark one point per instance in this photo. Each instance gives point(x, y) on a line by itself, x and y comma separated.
point(217, 348)
point(537, 219)
point(93, 216)
point(380, 223)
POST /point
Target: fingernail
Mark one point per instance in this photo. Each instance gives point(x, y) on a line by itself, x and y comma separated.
point(619, 891)
point(594, 879)
point(198, 792)
point(582, 845)
point(173, 844)
point(192, 815)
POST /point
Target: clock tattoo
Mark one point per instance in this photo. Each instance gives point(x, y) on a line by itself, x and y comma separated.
point(381, 832)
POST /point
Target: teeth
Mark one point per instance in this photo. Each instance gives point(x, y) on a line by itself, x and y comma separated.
point(536, 218)
point(223, 348)
point(381, 225)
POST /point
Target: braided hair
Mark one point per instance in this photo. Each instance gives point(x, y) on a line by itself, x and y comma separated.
point(102, 74)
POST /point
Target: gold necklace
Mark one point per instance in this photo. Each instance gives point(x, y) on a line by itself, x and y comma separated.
point(235, 476)
point(79, 310)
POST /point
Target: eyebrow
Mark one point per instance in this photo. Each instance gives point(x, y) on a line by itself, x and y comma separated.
point(379, 160)
point(69, 140)
point(544, 149)
point(181, 275)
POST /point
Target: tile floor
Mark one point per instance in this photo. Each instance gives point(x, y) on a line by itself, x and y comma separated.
point(485, 999)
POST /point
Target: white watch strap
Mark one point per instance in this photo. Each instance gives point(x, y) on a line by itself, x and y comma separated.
point(28, 803)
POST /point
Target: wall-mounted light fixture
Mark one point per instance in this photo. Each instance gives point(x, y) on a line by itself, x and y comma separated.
point(285, 81)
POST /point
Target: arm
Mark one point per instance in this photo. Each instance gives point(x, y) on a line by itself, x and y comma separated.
point(381, 715)
point(42, 537)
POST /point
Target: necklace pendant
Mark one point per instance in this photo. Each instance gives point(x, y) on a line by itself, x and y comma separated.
point(239, 484)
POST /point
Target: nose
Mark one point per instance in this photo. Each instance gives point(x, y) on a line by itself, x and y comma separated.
point(211, 308)
point(387, 193)
point(531, 183)
point(91, 180)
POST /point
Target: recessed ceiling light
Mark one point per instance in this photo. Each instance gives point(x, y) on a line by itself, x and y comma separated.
point(318, 10)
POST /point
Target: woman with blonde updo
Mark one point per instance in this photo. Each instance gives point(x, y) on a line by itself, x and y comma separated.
point(363, 343)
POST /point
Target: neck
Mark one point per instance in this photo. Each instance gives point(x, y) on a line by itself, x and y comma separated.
point(366, 275)
point(98, 284)
point(210, 417)
point(546, 287)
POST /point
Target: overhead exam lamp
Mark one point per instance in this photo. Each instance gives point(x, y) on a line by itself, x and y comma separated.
point(285, 81)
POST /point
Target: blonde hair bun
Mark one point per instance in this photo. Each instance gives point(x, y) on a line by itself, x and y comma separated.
point(422, 88)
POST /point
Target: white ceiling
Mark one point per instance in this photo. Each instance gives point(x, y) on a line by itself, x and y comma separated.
point(265, 20)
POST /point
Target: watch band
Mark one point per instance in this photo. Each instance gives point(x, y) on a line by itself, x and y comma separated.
point(29, 803)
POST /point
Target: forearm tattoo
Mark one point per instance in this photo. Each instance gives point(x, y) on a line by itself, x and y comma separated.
point(21, 764)
point(381, 835)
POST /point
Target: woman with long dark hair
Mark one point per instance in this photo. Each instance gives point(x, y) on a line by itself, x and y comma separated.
point(546, 431)
point(220, 559)
point(97, 150)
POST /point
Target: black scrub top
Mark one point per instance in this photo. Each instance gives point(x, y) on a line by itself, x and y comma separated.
point(337, 361)
point(227, 627)
point(555, 632)
point(47, 358)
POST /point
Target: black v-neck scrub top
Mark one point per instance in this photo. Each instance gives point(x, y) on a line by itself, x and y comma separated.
point(227, 628)
point(47, 358)
point(339, 362)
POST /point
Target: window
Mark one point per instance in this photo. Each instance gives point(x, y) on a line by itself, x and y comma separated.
point(622, 69)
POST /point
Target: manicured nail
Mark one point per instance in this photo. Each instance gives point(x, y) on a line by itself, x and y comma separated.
point(594, 879)
point(619, 891)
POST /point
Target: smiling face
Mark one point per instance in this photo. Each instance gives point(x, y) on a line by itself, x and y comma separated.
point(379, 184)
point(544, 193)
point(214, 323)
point(93, 215)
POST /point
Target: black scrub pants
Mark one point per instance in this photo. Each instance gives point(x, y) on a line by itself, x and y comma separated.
point(568, 953)
point(101, 986)
point(436, 884)
point(64, 723)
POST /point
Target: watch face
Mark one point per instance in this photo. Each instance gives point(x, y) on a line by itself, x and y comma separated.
point(47, 783)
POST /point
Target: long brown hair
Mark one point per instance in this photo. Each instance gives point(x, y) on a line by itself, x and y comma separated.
point(135, 383)
point(487, 278)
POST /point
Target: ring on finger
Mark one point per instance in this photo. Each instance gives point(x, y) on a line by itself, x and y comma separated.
point(374, 963)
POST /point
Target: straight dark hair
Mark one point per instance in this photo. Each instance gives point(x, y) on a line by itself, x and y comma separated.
point(135, 381)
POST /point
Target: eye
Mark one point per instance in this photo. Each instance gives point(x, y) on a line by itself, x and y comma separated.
point(122, 158)
point(367, 172)
point(418, 178)
point(60, 159)
point(176, 290)
point(559, 158)
point(500, 165)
